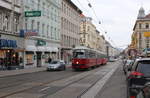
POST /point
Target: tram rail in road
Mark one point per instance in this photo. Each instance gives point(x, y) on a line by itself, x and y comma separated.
point(64, 82)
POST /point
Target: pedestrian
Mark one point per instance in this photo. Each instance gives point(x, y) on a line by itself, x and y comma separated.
point(49, 60)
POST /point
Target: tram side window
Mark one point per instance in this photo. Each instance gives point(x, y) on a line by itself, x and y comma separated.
point(79, 55)
point(92, 55)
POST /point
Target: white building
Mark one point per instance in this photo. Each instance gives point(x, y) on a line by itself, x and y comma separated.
point(46, 43)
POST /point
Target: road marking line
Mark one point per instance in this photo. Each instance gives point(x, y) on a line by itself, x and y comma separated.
point(93, 91)
point(44, 89)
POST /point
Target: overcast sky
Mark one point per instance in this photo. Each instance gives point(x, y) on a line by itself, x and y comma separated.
point(117, 17)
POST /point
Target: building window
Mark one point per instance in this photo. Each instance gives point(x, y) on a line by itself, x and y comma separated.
point(47, 30)
point(43, 25)
point(32, 25)
point(51, 32)
point(147, 26)
point(39, 4)
point(26, 24)
point(43, 9)
point(6, 23)
point(38, 27)
point(55, 33)
point(16, 22)
point(140, 25)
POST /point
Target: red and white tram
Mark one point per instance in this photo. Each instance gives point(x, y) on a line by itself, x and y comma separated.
point(85, 58)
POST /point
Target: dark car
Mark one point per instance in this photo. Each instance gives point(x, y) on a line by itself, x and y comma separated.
point(56, 65)
point(144, 92)
point(127, 65)
point(139, 75)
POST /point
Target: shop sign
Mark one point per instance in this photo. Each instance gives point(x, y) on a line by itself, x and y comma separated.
point(4, 43)
point(27, 33)
point(146, 34)
point(41, 43)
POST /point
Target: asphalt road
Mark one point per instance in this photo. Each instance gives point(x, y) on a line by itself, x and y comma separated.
point(115, 87)
point(60, 84)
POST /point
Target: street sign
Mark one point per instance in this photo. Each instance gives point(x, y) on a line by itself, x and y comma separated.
point(32, 13)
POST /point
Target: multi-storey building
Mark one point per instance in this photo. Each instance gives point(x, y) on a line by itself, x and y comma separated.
point(141, 34)
point(101, 42)
point(46, 30)
point(11, 47)
point(88, 35)
point(70, 28)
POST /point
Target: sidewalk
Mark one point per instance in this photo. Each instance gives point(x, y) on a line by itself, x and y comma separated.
point(21, 71)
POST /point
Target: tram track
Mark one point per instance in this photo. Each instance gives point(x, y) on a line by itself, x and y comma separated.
point(89, 73)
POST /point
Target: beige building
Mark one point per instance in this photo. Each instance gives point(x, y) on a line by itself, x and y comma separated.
point(88, 34)
point(141, 34)
point(101, 42)
point(70, 28)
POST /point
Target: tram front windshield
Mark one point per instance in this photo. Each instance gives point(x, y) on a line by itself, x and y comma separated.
point(79, 54)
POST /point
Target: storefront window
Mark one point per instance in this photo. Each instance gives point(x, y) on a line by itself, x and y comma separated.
point(47, 55)
point(30, 59)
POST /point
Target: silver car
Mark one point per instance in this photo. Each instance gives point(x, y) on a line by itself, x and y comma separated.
point(56, 65)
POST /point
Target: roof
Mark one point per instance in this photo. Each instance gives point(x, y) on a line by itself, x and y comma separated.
point(74, 6)
point(147, 16)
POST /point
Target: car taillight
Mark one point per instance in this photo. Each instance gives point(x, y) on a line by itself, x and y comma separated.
point(135, 74)
point(132, 97)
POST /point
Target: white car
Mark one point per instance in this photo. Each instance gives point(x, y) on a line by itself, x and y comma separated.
point(56, 65)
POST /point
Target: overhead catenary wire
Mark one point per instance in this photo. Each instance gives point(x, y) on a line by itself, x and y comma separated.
point(104, 32)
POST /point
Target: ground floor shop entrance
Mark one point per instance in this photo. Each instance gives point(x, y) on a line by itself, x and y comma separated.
point(10, 59)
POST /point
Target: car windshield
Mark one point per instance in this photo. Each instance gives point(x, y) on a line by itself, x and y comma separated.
point(144, 67)
point(54, 62)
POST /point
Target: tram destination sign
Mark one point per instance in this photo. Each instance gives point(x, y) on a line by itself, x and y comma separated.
point(32, 13)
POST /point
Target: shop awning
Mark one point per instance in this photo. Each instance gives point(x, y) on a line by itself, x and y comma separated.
point(40, 48)
point(51, 49)
point(31, 48)
point(55, 49)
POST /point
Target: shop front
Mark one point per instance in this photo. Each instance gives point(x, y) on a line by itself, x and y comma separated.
point(38, 53)
point(10, 55)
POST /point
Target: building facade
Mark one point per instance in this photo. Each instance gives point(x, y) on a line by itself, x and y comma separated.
point(11, 48)
point(42, 33)
point(90, 36)
point(70, 28)
point(141, 32)
point(88, 32)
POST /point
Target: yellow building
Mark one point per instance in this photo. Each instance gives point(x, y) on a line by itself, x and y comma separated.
point(141, 34)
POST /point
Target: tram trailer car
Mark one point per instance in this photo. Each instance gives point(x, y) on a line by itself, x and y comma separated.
point(85, 58)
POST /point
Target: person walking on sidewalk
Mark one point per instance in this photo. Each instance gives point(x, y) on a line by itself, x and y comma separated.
point(49, 60)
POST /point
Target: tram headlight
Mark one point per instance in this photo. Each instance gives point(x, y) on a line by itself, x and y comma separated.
point(77, 62)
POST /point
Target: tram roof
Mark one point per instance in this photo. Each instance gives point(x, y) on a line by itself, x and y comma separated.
point(83, 47)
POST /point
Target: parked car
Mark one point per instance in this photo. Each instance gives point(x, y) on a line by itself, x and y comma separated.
point(144, 92)
point(139, 75)
point(127, 65)
point(56, 65)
